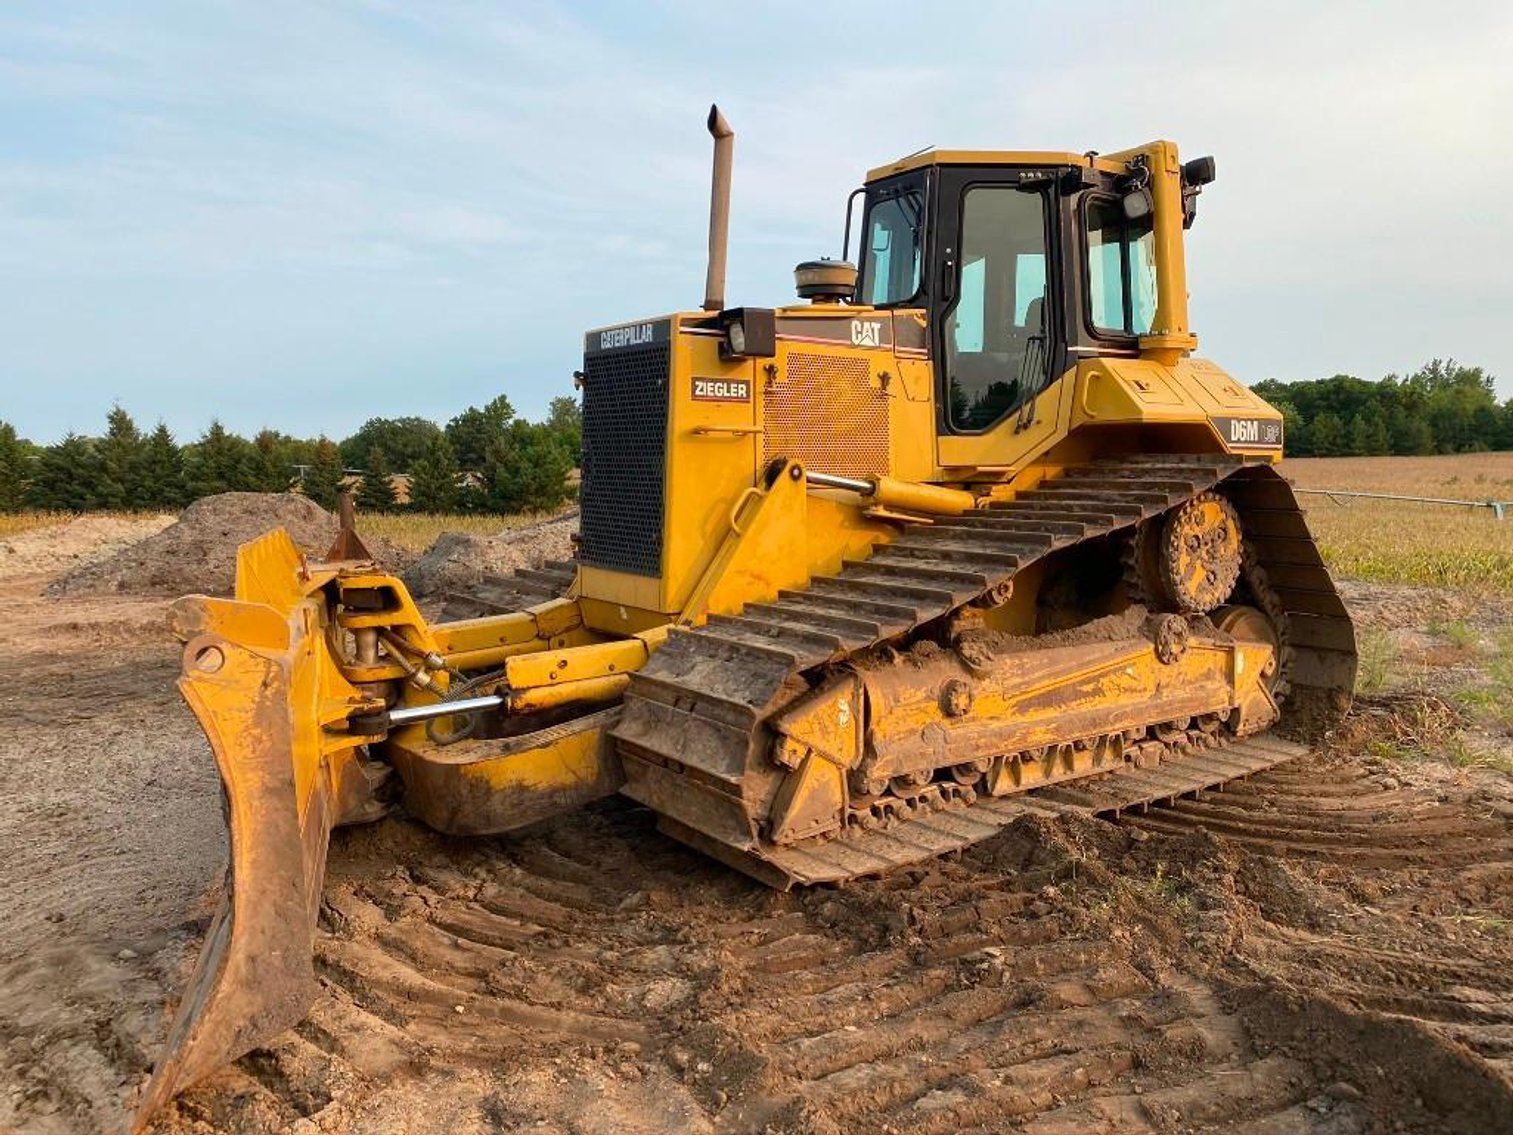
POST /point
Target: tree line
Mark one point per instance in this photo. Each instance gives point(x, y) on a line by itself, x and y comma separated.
point(1442, 407)
point(489, 460)
point(486, 460)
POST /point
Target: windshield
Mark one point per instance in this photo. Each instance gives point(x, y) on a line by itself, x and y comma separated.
point(892, 251)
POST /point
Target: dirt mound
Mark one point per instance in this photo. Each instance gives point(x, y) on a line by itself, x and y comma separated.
point(197, 553)
point(457, 561)
point(75, 544)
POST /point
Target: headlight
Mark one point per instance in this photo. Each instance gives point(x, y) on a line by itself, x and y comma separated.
point(749, 332)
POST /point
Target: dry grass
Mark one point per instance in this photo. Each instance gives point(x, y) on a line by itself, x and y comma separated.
point(417, 530)
point(1406, 542)
point(15, 523)
point(1468, 476)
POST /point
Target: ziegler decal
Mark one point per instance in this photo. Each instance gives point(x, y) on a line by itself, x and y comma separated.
point(721, 390)
point(1255, 433)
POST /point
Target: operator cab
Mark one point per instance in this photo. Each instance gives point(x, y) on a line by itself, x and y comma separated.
point(1023, 263)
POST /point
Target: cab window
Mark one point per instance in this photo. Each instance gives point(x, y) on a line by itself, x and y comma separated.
point(995, 333)
point(893, 254)
point(1121, 269)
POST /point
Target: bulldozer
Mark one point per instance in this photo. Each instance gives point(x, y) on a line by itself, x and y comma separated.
point(966, 534)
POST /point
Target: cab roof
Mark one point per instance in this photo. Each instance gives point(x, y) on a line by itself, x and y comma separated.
point(1107, 163)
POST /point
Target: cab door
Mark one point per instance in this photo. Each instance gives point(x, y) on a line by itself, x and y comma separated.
point(997, 347)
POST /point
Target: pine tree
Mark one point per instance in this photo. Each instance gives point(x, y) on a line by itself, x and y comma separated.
point(1368, 433)
point(527, 472)
point(433, 479)
point(15, 470)
point(66, 476)
point(376, 492)
point(162, 471)
point(1327, 434)
point(1412, 435)
point(1359, 434)
point(272, 472)
point(220, 462)
point(322, 480)
point(120, 484)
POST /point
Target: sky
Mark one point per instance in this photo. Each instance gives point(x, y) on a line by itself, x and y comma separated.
point(304, 214)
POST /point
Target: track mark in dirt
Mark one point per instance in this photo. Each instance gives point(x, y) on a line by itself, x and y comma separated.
point(1373, 930)
point(1158, 975)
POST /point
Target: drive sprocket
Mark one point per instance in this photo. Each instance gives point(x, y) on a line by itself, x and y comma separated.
point(1200, 552)
point(1188, 559)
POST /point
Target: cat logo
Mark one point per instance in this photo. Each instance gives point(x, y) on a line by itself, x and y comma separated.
point(865, 333)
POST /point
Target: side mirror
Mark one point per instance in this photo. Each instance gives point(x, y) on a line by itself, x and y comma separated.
point(1195, 175)
point(1199, 171)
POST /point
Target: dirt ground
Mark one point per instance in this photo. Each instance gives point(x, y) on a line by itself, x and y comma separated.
point(1326, 948)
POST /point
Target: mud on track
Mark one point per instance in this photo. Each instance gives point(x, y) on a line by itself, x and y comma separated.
point(1323, 949)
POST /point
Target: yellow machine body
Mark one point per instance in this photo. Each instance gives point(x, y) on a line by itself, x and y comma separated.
point(736, 484)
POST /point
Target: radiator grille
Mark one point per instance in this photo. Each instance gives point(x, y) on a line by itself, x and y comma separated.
point(624, 456)
point(828, 416)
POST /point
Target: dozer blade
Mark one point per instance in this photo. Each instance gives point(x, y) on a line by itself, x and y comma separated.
point(260, 677)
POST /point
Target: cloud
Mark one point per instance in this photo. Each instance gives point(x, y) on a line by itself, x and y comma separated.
point(303, 215)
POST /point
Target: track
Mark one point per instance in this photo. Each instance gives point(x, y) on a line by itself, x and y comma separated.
point(499, 595)
point(694, 734)
point(1065, 975)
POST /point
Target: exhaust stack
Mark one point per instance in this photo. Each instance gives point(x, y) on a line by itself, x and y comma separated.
point(719, 210)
